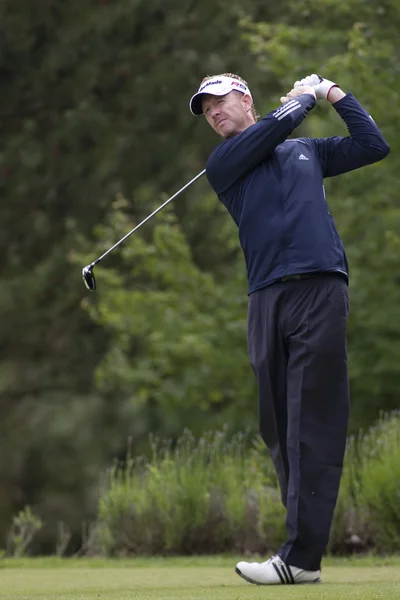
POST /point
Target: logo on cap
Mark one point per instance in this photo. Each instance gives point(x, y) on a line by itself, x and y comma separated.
point(238, 84)
point(209, 83)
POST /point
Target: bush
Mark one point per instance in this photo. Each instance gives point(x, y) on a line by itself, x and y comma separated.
point(24, 527)
point(215, 495)
point(367, 513)
point(380, 483)
point(207, 496)
point(348, 532)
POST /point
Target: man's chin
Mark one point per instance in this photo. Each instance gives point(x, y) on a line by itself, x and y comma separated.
point(227, 131)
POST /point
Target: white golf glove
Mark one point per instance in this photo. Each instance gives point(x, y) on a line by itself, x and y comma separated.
point(321, 86)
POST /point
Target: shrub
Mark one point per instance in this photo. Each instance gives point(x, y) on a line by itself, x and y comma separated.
point(348, 533)
point(207, 496)
point(367, 512)
point(24, 527)
point(380, 483)
point(215, 495)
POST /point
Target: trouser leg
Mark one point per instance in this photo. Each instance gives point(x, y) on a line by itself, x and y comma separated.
point(318, 406)
point(268, 357)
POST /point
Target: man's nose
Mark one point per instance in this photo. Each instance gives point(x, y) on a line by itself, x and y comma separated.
point(215, 111)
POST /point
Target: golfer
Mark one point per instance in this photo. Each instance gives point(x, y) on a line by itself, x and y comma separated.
point(298, 293)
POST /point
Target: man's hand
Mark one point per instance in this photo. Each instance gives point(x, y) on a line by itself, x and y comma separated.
point(298, 91)
point(321, 86)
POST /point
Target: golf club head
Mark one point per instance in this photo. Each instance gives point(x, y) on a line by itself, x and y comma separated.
point(88, 278)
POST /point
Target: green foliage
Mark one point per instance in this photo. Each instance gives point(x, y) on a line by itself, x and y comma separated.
point(209, 495)
point(94, 104)
point(366, 514)
point(216, 495)
point(171, 322)
point(380, 483)
point(24, 527)
point(348, 532)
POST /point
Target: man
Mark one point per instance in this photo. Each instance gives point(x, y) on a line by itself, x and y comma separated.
point(298, 297)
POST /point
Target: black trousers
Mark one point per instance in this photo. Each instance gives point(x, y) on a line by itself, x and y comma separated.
point(297, 348)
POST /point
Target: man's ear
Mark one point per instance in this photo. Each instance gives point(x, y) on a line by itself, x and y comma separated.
point(247, 102)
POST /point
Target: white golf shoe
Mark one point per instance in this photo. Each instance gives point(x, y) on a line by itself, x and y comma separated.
point(275, 571)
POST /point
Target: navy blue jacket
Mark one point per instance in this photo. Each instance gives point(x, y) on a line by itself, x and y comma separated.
point(273, 188)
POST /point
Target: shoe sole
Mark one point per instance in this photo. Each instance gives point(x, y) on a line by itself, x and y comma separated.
point(238, 571)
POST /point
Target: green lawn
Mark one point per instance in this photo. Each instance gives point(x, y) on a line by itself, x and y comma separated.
point(187, 578)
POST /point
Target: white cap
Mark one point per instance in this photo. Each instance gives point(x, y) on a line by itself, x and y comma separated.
point(217, 86)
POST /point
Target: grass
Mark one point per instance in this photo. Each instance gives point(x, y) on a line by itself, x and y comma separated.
point(196, 578)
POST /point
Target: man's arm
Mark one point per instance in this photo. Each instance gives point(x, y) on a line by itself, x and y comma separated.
point(239, 155)
point(364, 145)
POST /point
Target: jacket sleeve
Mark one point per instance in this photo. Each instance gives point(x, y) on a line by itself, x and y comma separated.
point(364, 145)
point(237, 156)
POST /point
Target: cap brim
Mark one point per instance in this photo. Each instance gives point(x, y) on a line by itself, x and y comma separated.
point(195, 105)
point(195, 102)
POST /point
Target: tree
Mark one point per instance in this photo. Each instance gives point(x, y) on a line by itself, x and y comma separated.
point(95, 104)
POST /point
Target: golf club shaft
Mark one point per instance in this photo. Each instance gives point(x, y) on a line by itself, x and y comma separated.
point(147, 218)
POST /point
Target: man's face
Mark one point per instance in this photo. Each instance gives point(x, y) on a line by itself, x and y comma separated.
point(228, 115)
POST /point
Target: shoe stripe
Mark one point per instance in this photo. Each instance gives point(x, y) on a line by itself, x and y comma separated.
point(289, 572)
point(279, 573)
point(285, 573)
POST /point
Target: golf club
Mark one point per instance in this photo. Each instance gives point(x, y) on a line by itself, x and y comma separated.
point(87, 272)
